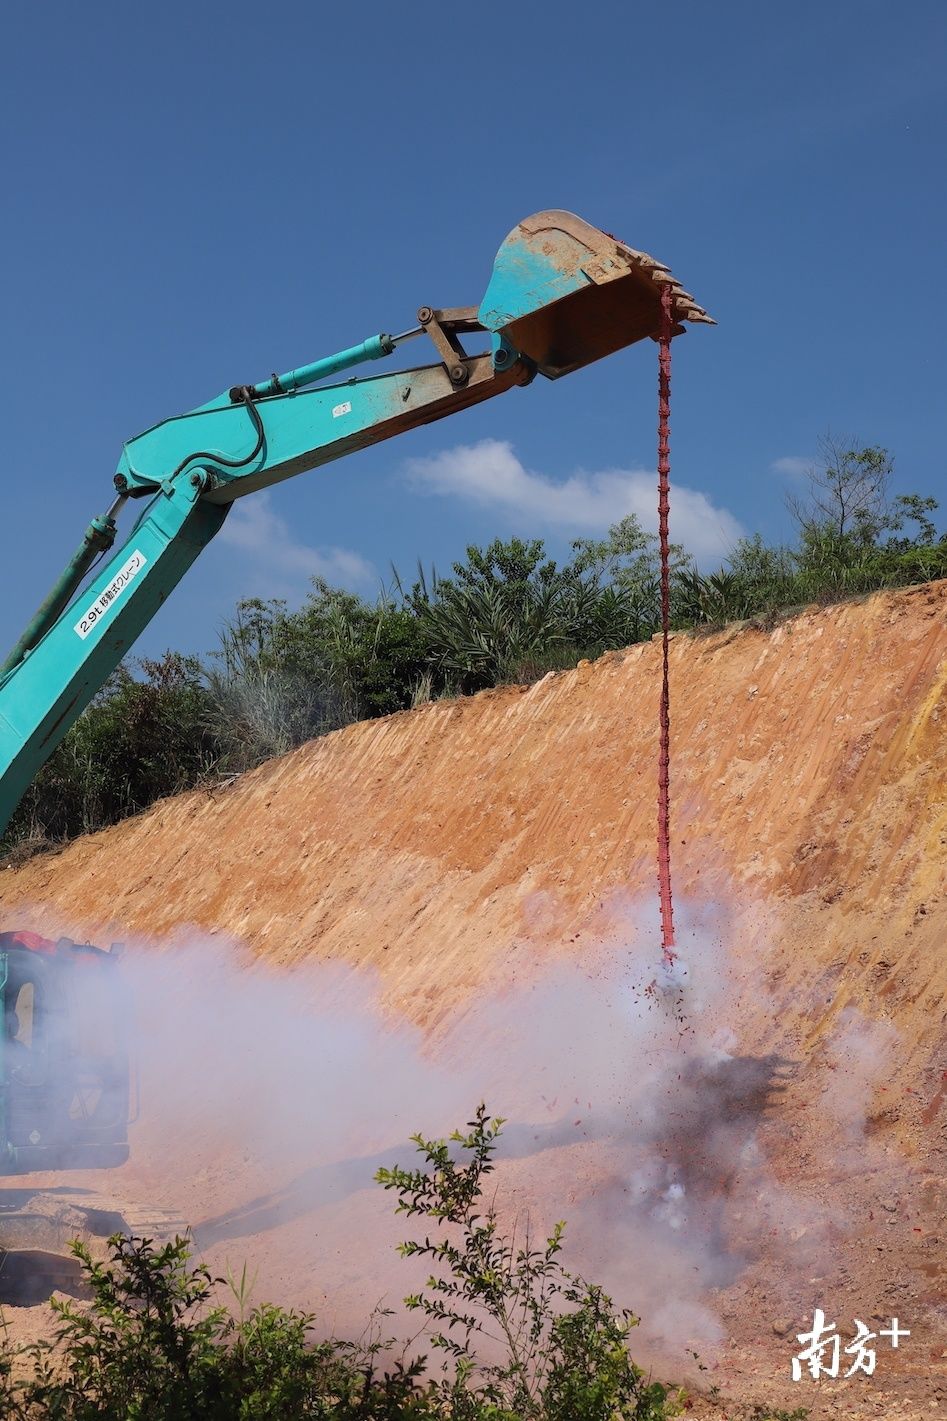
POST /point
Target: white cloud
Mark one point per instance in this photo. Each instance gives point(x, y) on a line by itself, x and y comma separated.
point(489, 473)
point(792, 466)
point(282, 566)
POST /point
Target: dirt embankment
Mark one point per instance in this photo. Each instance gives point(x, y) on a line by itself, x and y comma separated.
point(445, 847)
point(809, 769)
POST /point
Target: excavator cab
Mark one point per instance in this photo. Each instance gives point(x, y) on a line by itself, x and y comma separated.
point(64, 1062)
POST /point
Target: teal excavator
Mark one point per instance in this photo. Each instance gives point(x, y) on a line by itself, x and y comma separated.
point(562, 294)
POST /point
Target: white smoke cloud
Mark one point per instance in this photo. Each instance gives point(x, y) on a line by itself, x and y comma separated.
point(859, 1057)
point(270, 1098)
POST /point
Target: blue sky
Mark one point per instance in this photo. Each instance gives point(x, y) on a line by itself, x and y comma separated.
point(198, 194)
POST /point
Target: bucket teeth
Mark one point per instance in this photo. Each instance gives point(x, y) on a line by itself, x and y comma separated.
point(685, 307)
point(647, 263)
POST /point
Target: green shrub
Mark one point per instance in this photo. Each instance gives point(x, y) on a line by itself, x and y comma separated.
point(507, 613)
point(563, 1344)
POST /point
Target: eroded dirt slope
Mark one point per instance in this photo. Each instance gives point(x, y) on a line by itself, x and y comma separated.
point(436, 847)
point(809, 767)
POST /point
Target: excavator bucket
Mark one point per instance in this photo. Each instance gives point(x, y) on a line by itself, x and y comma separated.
point(565, 294)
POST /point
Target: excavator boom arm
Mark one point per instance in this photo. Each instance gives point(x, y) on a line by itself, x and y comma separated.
point(293, 433)
point(562, 294)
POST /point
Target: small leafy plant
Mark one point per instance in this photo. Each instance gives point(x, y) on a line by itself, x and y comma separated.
point(561, 1344)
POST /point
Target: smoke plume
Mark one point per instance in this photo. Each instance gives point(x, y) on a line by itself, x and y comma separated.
point(269, 1099)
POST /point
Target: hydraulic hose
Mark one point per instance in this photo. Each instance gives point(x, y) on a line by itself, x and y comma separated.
point(206, 457)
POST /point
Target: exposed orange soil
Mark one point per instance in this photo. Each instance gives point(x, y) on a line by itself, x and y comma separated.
point(439, 846)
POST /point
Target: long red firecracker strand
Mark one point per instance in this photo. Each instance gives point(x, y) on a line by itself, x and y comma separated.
point(664, 488)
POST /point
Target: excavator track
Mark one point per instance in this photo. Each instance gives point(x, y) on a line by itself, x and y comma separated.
point(36, 1230)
